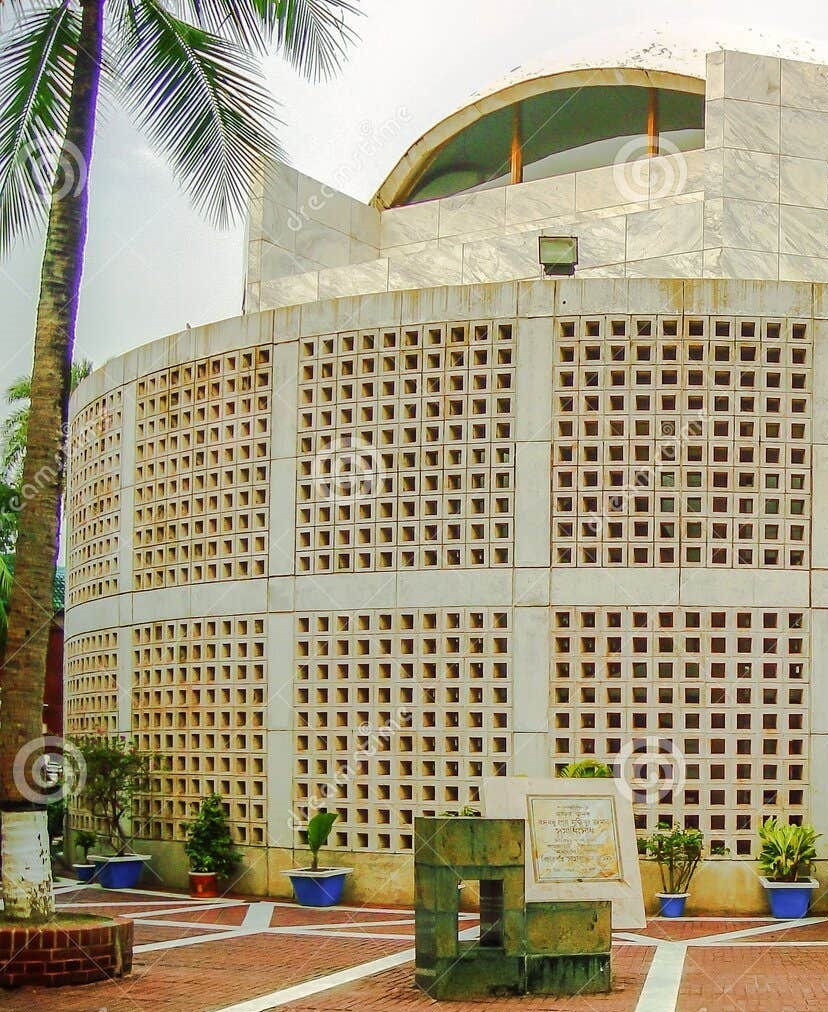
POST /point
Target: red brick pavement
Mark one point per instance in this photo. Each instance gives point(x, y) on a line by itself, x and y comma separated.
point(227, 969)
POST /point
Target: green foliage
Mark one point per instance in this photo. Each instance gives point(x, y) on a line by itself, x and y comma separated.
point(586, 768)
point(466, 812)
point(678, 852)
point(84, 841)
point(209, 845)
point(115, 772)
point(318, 831)
point(788, 852)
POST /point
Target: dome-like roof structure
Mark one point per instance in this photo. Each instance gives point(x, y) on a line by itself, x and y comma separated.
point(568, 112)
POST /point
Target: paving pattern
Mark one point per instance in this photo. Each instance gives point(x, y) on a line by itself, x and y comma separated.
point(237, 954)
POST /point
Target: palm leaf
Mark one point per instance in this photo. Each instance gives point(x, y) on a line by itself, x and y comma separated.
point(36, 65)
point(312, 34)
point(202, 102)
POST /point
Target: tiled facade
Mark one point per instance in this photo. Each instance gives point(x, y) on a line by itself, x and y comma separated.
point(371, 550)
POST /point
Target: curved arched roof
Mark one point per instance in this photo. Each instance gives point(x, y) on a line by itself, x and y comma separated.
point(671, 59)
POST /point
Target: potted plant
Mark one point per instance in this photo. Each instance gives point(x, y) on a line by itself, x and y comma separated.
point(785, 861)
point(84, 871)
point(677, 852)
point(210, 848)
point(315, 886)
point(116, 770)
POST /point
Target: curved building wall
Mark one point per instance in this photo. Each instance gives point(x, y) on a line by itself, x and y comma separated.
point(374, 550)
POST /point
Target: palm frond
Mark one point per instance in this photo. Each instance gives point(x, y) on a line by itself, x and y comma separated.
point(19, 390)
point(312, 34)
point(203, 103)
point(36, 65)
point(14, 433)
point(241, 21)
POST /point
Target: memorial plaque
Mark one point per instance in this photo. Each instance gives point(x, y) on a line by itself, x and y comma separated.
point(574, 839)
point(580, 836)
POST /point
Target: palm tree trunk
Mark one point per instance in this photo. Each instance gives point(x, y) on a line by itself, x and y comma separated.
point(27, 877)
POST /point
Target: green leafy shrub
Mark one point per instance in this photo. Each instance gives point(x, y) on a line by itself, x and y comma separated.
point(788, 852)
point(84, 840)
point(209, 845)
point(586, 768)
point(678, 852)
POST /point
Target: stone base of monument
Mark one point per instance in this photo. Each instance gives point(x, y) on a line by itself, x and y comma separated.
point(558, 948)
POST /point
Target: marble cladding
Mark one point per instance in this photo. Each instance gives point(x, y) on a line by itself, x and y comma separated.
point(752, 204)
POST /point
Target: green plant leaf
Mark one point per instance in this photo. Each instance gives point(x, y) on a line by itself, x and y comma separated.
point(319, 829)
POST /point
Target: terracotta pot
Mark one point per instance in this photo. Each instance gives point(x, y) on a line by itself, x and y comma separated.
point(203, 883)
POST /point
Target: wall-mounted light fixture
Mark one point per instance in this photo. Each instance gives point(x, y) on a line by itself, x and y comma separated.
point(558, 254)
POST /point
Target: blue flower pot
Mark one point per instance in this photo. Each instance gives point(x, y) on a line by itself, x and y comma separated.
point(318, 890)
point(119, 872)
point(789, 899)
point(84, 872)
point(672, 905)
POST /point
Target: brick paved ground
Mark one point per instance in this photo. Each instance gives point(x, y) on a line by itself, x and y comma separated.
point(204, 956)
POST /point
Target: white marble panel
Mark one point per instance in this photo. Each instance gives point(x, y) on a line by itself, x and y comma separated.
point(403, 225)
point(664, 232)
point(452, 589)
point(280, 225)
point(532, 754)
point(317, 201)
point(324, 245)
point(251, 301)
point(731, 588)
point(441, 266)
point(359, 252)
point(679, 265)
point(280, 819)
point(281, 184)
point(714, 75)
point(471, 212)
point(671, 175)
point(280, 636)
point(511, 258)
point(713, 214)
point(749, 224)
point(747, 298)
point(740, 263)
point(805, 85)
point(714, 123)
point(753, 175)
point(804, 231)
point(804, 133)
point(803, 181)
point(615, 586)
point(601, 242)
point(531, 586)
point(289, 291)
point(356, 279)
point(537, 298)
point(613, 185)
point(540, 199)
point(533, 391)
point(345, 590)
point(365, 223)
point(608, 271)
point(281, 594)
point(281, 263)
point(819, 594)
point(752, 78)
point(284, 400)
point(751, 126)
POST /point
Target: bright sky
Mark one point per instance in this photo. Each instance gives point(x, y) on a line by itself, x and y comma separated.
point(153, 266)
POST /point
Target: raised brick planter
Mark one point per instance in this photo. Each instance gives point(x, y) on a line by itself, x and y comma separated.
point(53, 955)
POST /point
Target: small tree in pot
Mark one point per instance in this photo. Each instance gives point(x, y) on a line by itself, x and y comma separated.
point(116, 770)
point(210, 848)
point(84, 840)
point(677, 852)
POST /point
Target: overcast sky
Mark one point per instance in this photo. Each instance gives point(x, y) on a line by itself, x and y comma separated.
point(153, 266)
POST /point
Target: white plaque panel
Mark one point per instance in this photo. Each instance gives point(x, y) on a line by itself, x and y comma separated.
point(580, 841)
